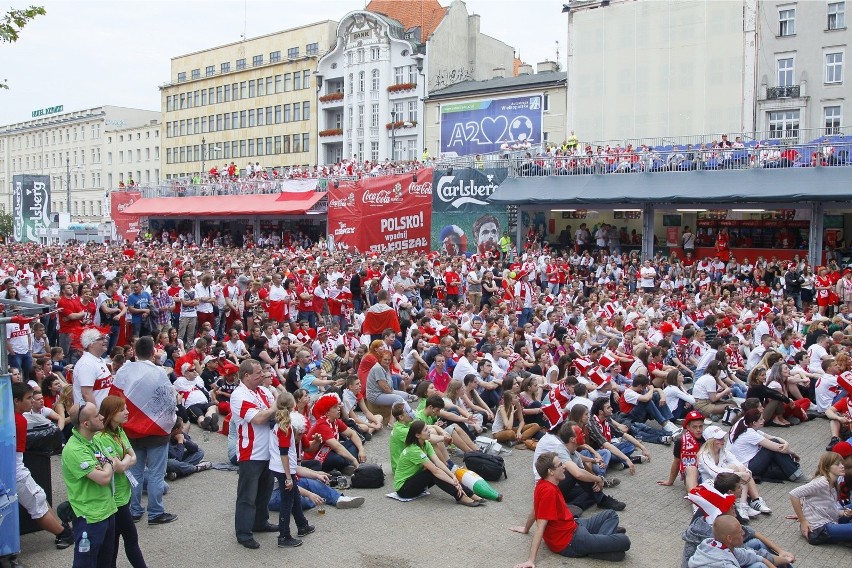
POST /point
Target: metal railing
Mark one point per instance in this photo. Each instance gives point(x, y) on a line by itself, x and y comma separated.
point(771, 154)
point(788, 92)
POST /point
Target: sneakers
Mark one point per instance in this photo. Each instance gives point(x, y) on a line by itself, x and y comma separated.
point(289, 542)
point(204, 423)
point(203, 466)
point(171, 476)
point(834, 440)
point(620, 466)
point(214, 423)
point(641, 458)
point(162, 519)
point(344, 502)
point(666, 440)
point(64, 539)
point(611, 481)
point(609, 503)
point(306, 530)
point(797, 474)
point(670, 428)
point(746, 512)
point(760, 505)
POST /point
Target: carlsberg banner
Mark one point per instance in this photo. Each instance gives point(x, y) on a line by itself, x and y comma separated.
point(463, 220)
point(30, 206)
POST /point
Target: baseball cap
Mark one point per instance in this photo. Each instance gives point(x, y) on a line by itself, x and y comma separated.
point(693, 415)
point(842, 448)
point(714, 432)
point(208, 359)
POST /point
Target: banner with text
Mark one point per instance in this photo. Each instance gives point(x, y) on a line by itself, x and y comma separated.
point(463, 220)
point(478, 127)
point(126, 226)
point(30, 206)
point(390, 213)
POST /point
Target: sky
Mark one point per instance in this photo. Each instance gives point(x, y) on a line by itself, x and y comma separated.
point(86, 53)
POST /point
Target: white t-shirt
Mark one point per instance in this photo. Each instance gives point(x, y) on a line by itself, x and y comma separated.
point(192, 392)
point(275, 451)
point(673, 394)
point(746, 446)
point(18, 337)
point(91, 371)
point(646, 276)
point(704, 386)
point(816, 353)
point(550, 443)
point(825, 391)
point(253, 439)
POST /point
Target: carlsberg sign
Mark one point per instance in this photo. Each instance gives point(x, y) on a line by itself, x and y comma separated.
point(466, 188)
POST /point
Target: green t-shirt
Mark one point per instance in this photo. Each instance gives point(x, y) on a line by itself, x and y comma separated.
point(410, 462)
point(116, 447)
point(80, 457)
point(397, 441)
point(420, 414)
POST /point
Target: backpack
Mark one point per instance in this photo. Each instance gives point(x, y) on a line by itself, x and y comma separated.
point(488, 466)
point(368, 476)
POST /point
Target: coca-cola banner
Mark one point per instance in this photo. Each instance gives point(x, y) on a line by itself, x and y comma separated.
point(126, 226)
point(463, 220)
point(389, 213)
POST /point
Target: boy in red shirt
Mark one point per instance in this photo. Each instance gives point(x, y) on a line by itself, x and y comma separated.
point(598, 536)
point(30, 495)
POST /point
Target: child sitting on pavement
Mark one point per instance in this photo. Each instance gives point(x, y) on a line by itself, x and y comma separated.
point(185, 457)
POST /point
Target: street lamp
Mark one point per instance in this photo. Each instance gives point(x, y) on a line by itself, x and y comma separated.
point(204, 152)
point(405, 124)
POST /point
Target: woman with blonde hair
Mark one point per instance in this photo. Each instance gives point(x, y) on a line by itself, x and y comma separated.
point(115, 443)
point(821, 520)
point(283, 461)
point(509, 425)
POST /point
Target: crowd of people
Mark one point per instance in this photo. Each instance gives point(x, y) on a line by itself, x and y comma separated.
point(303, 357)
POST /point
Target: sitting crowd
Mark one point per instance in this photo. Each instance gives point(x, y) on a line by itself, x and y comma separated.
point(303, 359)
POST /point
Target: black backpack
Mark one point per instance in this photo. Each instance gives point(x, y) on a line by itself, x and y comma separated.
point(488, 466)
point(368, 476)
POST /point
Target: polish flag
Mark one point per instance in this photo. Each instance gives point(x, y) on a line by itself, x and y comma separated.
point(582, 365)
point(150, 402)
point(598, 376)
point(607, 360)
point(558, 396)
point(711, 502)
point(554, 414)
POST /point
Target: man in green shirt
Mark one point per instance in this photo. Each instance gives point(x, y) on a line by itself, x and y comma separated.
point(505, 244)
point(88, 474)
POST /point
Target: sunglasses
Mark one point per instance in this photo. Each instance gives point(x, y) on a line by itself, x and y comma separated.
point(80, 410)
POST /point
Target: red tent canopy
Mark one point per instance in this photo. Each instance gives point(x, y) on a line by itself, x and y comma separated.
point(225, 205)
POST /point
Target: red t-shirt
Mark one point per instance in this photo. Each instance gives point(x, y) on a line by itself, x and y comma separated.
point(452, 281)
point(20, 433)
point(327, 431)
point(550, 506)
point(68, 306)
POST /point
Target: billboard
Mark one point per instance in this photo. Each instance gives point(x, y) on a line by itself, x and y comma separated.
point(126, 226)
point(30, 206)
point(463, 220)
point(482, 126)
point(374, 215)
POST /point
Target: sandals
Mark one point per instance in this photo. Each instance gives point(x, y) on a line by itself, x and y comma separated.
point(773, 423)
point(471, 504)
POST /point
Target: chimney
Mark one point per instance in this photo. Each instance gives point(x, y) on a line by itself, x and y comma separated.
point(525, 69)
point(546, 67)
point(499, 73)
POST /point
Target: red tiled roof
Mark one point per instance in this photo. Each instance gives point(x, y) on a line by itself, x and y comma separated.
point(426, 14)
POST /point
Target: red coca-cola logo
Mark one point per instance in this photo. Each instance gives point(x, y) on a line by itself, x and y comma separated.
point(383, 196)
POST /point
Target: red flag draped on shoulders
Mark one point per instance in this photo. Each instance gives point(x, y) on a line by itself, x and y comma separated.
point(379, 318)
point(151, 404)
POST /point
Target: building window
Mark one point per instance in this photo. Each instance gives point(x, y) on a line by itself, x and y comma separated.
point(269, 145)
point(277, 114)
point(181, 76)
point(787, 22)
point(545, 105)
point(831, 119)
point(275, 57)
point(374, 83)
point(312, 49)
point(306, 142)
point(374, 54)
point(361, 56)
point(278, 84)
point(243, 120)
point(836, 15)
point(412, 111)
point(286, 144)
point(350, 58)
point(243, 89)
point(374, 115)
point(225, 67)
point(293, 53)
point(297, 81)
point(287, 113)
point(277, 145)
point(209, 71)
point(196, 73)
point(784, 124)
point(785, 72)
point(398, 75)
point(412, 74)
point(261, 117)
point(169, 104)
point(374, 152)
point(288, 85)
point(306, 79)
point(297, 143)
point(360, 116)
point(306, 110)
point(257, 60)
point(361, 82)
point(297, 111)
point(251, 89)
point(834, 67)
point(251, 118)
point(241, 64)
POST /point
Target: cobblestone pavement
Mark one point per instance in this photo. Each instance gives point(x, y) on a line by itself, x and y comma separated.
point(433, 531)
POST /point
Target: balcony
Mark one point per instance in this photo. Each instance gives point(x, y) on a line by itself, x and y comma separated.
point(788, 92)
point(332, 100)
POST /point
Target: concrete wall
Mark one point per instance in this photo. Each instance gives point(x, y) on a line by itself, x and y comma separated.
point(656, 68)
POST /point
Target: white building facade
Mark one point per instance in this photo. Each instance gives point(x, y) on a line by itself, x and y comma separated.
point(70, 148)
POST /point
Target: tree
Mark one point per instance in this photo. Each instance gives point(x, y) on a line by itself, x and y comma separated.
point(6, 225)
point(13, 22)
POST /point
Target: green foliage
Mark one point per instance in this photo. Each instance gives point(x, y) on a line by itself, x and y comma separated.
point(6, 225)
point(11, 24)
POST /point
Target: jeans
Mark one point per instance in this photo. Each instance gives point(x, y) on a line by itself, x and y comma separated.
point(290, 504)
point(329, 494)
point(596, 535)
point(23, 361)
point(333, 460)
point(606, 456)
point(310, 316)
point(840, 532)
point(738, 391)
point(680, 411)
point(579, 493)
point(114, 330)
point(186, 466)
point(424, 479)
point(760, 463)
point(150, 471)
point(388, 399)
point(125, 528)
point(101, 541)
point(625, 448)
point(186, 331)
point(651, 409)
point(645, 433)
point(525, 317)
point(254, 488)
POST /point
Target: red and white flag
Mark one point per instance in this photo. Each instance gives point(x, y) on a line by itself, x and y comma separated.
point(150, 399)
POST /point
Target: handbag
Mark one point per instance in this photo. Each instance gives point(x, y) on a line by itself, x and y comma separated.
point(818, 536)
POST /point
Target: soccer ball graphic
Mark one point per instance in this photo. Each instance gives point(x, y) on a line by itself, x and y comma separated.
point(521, 129)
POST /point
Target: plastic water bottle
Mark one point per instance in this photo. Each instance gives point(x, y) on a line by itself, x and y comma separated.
point(85, 545)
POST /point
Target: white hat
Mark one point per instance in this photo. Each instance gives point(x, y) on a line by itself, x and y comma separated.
point(714, 433)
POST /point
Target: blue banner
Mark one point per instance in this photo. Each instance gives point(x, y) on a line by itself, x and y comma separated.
point(479, 127)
